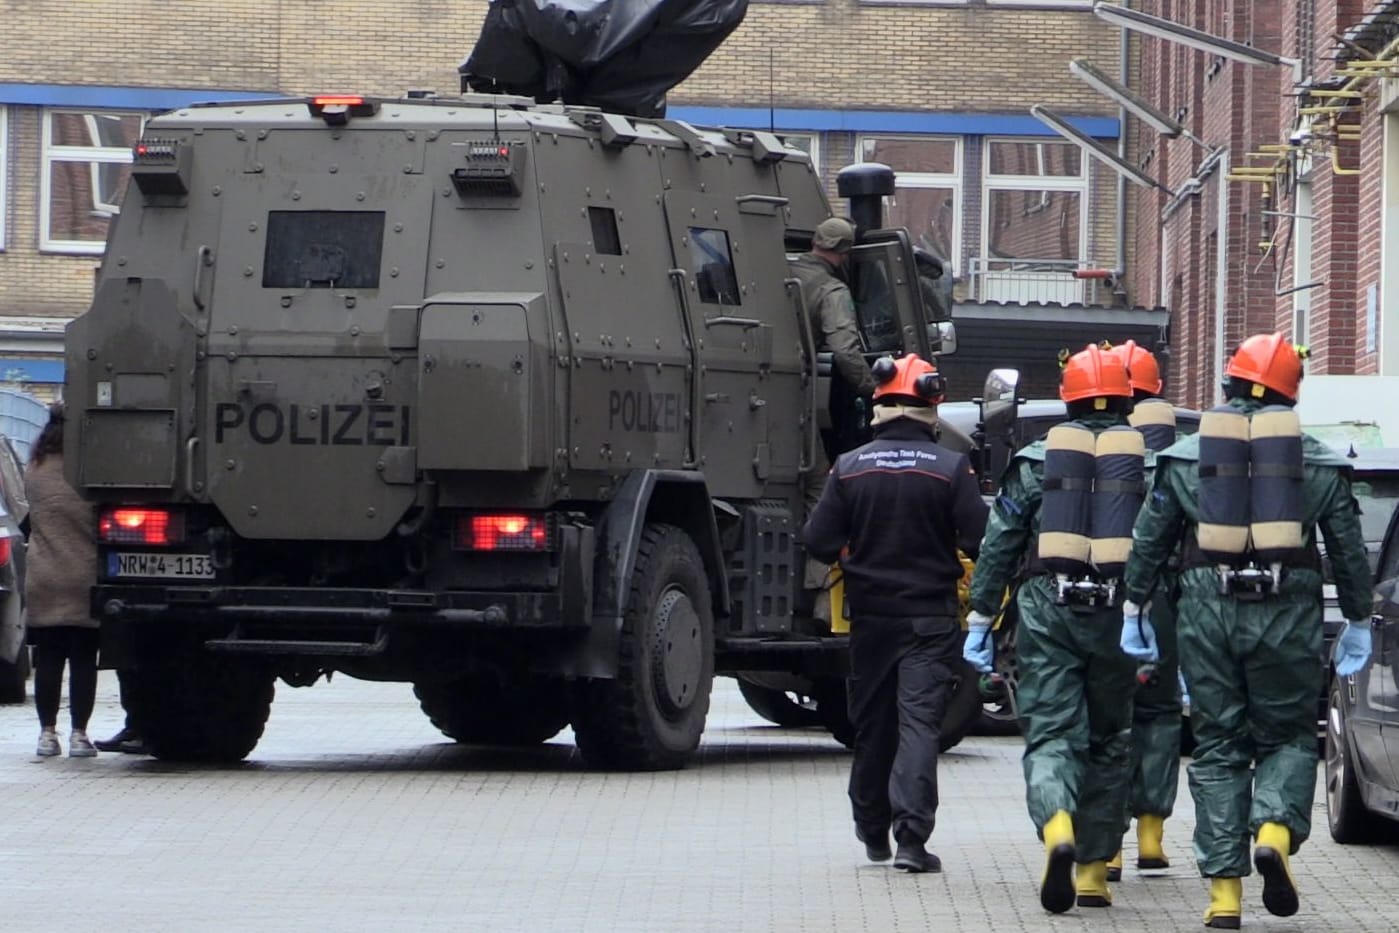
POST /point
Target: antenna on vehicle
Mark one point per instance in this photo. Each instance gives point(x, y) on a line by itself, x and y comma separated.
point(772, 114)
point(495, 113)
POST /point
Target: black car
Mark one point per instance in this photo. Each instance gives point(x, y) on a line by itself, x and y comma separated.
point(14, 509)
point(1361, 713)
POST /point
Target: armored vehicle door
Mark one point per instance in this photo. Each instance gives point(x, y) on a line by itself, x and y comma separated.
point(730, 263)
point(628, 349)
point(889, 309)
point(309, 416)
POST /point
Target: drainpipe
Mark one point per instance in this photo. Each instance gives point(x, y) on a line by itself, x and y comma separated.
point(1221, 274)
point(1121, 260)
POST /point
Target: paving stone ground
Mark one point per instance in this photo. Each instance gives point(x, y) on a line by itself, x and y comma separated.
point(355, 814)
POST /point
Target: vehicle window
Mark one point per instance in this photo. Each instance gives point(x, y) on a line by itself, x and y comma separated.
point(12, 482)
point(714, 266)
point(874, 302)
point(606, 239)
point(1377, 497)
point(323, 249)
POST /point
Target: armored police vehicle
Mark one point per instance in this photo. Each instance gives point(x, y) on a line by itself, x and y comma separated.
point(510, 401)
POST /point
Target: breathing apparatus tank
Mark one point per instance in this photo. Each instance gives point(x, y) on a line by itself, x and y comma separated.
point(1119, 485)
point(1065, 538)
point(1275, 498)
point(1156, 420)
point(1224, 485)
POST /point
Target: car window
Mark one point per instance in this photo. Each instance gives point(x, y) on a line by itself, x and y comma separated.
point(12, 482)
point(1377, 496)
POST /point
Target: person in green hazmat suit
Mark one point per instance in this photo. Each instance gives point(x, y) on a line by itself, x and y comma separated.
point(1074, 695)
point(1252, 659)
point(1156, 707)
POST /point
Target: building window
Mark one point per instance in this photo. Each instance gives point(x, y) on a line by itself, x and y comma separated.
point(1012, 4)
point(86, 162)
point(810, 143)
point(928, 194)
point(4, 170)
point(1034, 222)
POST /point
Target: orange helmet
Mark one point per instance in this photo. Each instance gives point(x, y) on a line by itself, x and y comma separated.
point(908, 377)
point(1094, 373)
point(1142, 371)
point(1268, 360)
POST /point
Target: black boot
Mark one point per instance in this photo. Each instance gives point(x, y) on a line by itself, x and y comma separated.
point(913, 858)
point(114, 743)
point(876, 843)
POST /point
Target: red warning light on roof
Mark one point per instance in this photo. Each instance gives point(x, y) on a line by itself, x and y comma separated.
point(337, 100)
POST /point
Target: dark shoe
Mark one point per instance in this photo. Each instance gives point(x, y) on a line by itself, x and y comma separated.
point(135, 745)
point(878, 851)
point(114, 743)
point(876, 843)
point(914, 859)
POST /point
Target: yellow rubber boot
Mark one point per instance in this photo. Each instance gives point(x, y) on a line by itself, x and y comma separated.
point(1057, 885)
point(1270, 858)
point(1091, 885)
point(1226, 903)
point(1150, 854)
point(1115, 867)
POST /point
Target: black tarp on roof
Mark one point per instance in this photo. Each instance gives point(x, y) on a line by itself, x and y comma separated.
point(619, 55)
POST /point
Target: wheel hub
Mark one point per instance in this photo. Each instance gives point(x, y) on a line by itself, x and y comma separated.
point(677, 652)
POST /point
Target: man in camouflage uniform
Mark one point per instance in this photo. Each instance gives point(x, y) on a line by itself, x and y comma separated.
point(1253, 665)
point(829, 304)
point(1076, 685)
point(834, 328)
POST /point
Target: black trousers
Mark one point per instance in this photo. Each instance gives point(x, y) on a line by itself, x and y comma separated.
point(900, 672)
point(55, 646)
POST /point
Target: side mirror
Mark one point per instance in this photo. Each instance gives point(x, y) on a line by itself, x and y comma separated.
point(942, 337)
point(999, 401)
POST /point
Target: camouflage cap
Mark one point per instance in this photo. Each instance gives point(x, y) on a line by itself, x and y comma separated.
point(834, 233)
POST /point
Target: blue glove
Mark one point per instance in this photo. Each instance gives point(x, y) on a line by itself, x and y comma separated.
point(1352, 649)
point(980, 647)
point(1138, 635)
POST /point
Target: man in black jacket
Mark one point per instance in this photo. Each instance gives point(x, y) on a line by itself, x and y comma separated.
point(894, 512)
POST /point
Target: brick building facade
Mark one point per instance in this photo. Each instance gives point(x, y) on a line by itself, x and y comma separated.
point(1277, 216)
point(940, 90)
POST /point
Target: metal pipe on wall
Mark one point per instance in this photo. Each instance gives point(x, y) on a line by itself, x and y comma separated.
point(1123, 72)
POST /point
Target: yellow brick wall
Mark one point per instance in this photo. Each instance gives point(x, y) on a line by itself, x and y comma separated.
point(833, 55)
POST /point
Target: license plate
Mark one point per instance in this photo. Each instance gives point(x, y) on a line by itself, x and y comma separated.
point(168, 566)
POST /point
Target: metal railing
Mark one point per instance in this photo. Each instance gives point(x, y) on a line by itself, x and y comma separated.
point(1035, 281)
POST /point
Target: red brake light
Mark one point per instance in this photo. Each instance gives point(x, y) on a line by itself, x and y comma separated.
point(140, 526)
point(502, 533)
point(337, 109)
point(6, 548)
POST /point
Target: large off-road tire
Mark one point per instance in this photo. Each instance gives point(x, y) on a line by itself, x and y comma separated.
point(963, 708)
point(14, 678)
point(202, 708)
point(833, 706)
point(780, 707)
point(488, 711)
point(650, 716)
